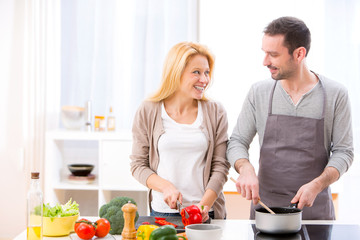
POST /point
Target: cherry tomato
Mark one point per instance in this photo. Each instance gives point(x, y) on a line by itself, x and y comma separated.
point(85, 230)
point(102, 227)
point(77, 223)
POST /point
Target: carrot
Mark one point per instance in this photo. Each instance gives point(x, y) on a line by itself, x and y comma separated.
point(183, 234)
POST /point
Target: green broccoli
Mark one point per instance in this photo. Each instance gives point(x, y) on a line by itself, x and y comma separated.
point(113, 213)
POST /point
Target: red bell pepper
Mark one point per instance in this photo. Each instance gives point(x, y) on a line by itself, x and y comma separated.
point(194, 215)
point(163, 222)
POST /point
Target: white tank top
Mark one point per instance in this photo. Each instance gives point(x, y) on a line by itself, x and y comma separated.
point(182, 149)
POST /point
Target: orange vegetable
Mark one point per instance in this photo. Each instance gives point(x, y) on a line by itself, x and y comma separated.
point(182, 235)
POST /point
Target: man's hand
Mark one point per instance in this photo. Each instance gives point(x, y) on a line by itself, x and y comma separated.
point(247, 183)
point(307, 193)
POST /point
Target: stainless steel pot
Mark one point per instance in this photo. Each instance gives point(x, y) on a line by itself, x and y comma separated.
point(285, 220)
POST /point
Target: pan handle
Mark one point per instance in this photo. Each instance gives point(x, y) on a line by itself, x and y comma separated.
point(293, 205)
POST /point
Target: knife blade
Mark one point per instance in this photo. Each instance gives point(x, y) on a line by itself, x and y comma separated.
point(180, 206)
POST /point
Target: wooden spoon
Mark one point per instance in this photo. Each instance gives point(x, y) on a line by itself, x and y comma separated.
point(261, 203)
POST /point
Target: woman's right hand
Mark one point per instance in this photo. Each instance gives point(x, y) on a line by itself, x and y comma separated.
point(170, 192)
point(171, 195)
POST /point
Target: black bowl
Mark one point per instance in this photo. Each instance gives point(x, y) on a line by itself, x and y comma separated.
point(80, 170)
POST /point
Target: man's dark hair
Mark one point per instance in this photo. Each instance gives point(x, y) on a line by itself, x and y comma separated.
point(296, 33)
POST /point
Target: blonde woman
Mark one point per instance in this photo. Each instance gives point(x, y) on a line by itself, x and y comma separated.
point(180, 137)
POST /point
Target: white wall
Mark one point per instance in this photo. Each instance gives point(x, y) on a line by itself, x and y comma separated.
point(13, 180)
point(233, 31)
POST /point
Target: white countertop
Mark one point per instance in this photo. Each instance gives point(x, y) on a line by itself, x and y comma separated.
point(232, 229)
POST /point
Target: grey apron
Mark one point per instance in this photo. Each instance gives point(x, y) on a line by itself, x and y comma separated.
point(293, 154)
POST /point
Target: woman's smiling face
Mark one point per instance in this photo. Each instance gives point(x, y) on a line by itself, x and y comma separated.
point(195, 77)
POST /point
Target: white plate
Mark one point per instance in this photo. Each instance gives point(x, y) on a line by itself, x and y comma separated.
point(81, 180)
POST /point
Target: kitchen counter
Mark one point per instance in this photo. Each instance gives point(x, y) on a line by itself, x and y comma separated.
point(245, 230)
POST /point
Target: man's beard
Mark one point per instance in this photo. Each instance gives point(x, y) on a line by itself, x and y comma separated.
point(288, 73)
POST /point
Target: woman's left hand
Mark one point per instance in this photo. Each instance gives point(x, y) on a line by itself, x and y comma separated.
point(204, 210)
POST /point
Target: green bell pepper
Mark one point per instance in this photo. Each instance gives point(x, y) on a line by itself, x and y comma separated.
point(166, 232)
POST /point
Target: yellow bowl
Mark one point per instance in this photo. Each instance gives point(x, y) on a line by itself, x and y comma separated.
point(58, 226)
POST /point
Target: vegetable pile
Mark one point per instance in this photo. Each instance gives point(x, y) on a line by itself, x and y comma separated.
point(112, 212)
point(86, 229)
point(166, 232)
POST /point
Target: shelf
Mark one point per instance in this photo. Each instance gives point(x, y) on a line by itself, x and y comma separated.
point(71, 186)
point(95, 186)
point(63, 134)
point(128, 189)
point(108, 151)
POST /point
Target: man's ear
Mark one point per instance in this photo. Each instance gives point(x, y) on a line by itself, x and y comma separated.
point(299, 54)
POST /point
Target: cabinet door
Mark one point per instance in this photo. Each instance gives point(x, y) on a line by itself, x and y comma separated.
point(114, 166)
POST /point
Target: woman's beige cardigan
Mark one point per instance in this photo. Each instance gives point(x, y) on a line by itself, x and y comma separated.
point(147, 129)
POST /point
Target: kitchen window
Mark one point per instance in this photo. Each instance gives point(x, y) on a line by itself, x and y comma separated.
point(112, 51)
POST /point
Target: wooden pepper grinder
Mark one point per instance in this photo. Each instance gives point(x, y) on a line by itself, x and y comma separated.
point(129, 231)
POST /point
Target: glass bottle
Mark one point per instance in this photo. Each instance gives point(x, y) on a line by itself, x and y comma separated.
point(34, 208)
point(111, 121)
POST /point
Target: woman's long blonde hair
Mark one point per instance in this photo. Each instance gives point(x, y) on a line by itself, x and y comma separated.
point(175, 63)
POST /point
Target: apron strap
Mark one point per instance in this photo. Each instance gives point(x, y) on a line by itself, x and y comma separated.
point(324, 96)
point(271, 98)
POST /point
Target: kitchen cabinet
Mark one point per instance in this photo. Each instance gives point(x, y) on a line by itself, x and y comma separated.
point(108, 152)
